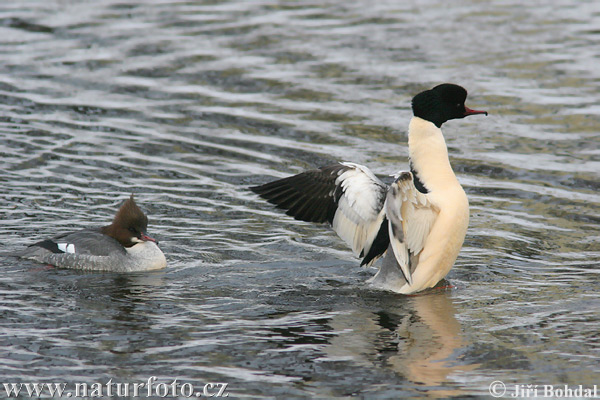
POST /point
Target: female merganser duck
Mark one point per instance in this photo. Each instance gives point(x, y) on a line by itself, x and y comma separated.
point(122, 246)
point(419, 222)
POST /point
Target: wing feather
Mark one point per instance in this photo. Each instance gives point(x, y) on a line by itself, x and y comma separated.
point(410, 216)
point(347, 195)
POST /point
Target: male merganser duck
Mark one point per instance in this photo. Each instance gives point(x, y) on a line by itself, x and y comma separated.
point(419, 222)
point(122, 246)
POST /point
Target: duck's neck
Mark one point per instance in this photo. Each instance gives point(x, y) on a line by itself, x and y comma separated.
point(429, 155)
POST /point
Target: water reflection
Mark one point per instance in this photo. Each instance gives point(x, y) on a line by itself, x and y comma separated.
point(420, 339)
point(434, 342)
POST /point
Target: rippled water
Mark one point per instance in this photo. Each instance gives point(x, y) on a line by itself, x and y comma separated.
point(186, 104)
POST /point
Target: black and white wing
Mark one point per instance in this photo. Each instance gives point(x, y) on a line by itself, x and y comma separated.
point(411, 216)
point(347, 195)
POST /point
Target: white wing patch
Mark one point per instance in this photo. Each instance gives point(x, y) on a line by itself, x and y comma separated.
point(66, 247)
point(410, 216)
point(359, 211)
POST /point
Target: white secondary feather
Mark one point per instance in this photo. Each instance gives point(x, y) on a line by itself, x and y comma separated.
point(66, 247)
point(359, 211)
point(410, 216)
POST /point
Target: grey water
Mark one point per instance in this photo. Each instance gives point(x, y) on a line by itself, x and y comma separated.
point(187, 103)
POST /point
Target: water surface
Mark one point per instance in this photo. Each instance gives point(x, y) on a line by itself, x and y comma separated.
point(186, 104)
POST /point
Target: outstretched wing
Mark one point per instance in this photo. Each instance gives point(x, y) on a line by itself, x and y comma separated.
point(346, 195)
point(410, 216)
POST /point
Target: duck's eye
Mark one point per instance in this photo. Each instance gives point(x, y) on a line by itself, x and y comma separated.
point(132, 230)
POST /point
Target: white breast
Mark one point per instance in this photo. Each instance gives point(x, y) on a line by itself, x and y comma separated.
point(146, 256)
